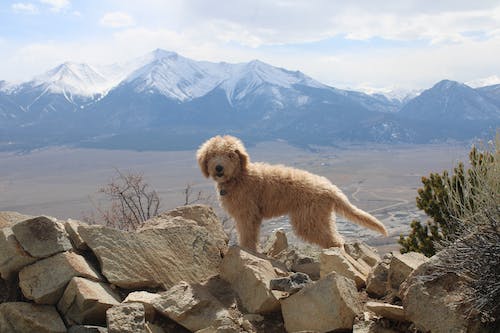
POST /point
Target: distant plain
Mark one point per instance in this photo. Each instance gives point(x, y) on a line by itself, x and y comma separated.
point(382, 179)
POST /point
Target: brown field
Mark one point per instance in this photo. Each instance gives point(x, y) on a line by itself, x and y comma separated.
point(381, 179)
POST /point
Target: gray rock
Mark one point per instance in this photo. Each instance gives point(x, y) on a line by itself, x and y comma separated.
point(71, 227)
point(290, 284)
point(20, 317)
point(362, 253)
point(41, 237)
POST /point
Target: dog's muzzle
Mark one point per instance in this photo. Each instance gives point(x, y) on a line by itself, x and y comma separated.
point(219, 170)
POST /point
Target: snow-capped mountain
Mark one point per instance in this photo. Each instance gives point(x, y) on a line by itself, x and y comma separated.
point(164, 100)
point(484, 82)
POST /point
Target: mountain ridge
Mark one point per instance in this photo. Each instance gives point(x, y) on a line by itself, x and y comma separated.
point(163, 94)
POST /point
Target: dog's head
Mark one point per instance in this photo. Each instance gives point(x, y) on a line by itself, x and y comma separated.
point(222, 158)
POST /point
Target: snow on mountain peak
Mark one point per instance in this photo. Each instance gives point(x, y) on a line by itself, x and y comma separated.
point(73, 78)
point(484, 82)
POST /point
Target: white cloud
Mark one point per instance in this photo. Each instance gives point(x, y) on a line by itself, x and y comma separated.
point(28, 8)
point(56, 5)
point(117, 20)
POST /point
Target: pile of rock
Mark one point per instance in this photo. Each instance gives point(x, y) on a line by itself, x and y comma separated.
point(176, 274)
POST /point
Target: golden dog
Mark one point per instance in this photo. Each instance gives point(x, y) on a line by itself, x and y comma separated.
point(251, 192)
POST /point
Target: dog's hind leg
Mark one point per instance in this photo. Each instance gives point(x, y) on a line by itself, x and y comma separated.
point(316, 226)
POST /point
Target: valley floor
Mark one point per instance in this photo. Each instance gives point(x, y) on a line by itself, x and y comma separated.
point(381, 179)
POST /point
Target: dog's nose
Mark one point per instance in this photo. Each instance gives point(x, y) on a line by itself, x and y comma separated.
point(219, 168)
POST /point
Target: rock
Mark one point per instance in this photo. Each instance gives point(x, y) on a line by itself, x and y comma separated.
point(71, 227)
point(201, 215)
point(154, 257)
point(12, 256)
point(126, 318)
point(87, 329)
point(192, 306)
point(290, 284)
point(376, 284)
point(20, 317)
point(329, 304)
point(85, 302)
point(276, 243)
point(389, 311)
point(434, 300)
point(362, 253)
point(370, 326)
point(249, 276)
point(146, 299)
point(337, 260)
point(41, 237)
point(44, 281)
point(401, 266)
point(7, 219)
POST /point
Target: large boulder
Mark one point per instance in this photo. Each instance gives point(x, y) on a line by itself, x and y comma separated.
point(434, 300)
point(193, 306)
point(159, 256)
point(41, 236)
point(12, 256)
point(201, 215)
point(85, 302)
point(330, 304)
point(337, 260)
point(45, 281)
point(401, 267)
point(20, 317)
point(250, 276)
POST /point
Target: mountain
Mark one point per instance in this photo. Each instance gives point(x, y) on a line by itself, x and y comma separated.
point(163, 100)
point(453, 109)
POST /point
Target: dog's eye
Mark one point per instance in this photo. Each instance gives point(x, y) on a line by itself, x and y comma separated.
point(232, 155)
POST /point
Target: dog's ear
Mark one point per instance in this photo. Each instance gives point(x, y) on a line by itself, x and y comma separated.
point(244, 159)
point(201, 156)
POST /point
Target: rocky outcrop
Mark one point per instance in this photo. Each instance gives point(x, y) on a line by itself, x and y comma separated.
point(176, 274)
point(276, 243)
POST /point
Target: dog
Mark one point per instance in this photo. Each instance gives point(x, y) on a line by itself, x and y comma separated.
point(251, 192)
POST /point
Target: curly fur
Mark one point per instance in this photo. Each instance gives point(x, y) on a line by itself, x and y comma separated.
point(251, 192)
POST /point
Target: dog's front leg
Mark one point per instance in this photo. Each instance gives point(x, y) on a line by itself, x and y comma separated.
point(248, 232)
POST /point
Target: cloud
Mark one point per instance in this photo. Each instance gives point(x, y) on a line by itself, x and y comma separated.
point(117, 20)
point(56, 5)
point(27, 8)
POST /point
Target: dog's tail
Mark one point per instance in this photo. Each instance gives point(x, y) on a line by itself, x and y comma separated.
point(343, 207)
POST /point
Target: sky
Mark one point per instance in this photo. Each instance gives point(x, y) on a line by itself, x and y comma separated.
point(359, 44)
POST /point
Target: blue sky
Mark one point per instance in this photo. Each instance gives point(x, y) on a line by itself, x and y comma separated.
point(357, 44)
